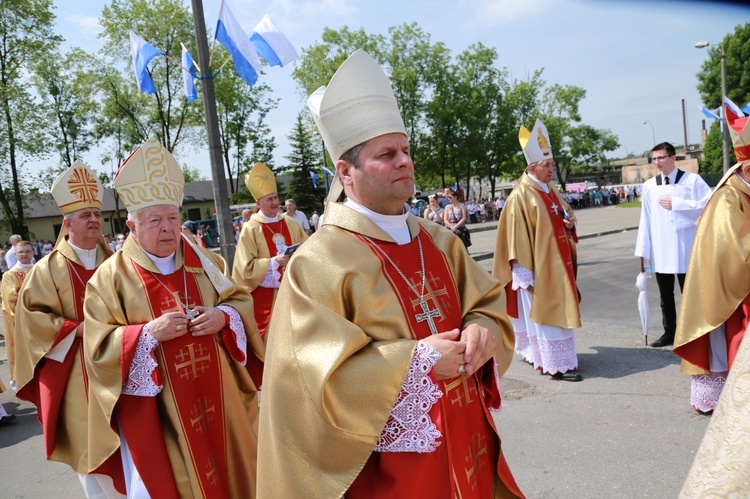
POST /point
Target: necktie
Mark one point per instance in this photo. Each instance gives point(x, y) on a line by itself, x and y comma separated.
point(666, 180)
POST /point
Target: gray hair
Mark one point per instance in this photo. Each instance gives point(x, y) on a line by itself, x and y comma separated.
point(352, 155)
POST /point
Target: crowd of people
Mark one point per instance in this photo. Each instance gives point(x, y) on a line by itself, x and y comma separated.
point(355, 356)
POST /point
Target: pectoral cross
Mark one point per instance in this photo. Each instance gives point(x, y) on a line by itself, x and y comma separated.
point(427, 315)
point(555, 207)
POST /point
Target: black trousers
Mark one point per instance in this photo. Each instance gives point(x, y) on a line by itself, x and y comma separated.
point(666, 294)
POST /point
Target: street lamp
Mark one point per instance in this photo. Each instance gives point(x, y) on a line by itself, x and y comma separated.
point(653, 135)
point(725, 125)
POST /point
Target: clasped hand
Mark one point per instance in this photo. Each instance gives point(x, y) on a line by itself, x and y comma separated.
point(175, 324)
point(471, 348)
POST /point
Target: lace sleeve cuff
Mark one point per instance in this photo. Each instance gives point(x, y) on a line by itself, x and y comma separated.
point(409, 427)
point(522, 277)
point(272, 279)
point(238, 350)
point(142, 378)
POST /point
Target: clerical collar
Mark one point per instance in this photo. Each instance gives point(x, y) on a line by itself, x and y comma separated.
point(544, 186)
point(268, 219)
point(672, 177)
point(741, 177)
point(164, 264)
point(393, 225)
point(87, 257)
point(24, 265)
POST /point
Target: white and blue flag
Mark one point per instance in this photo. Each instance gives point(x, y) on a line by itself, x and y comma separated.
point(230, 34)
point(189, 75)
point(142, 53)
point(271, 44)
point(708, 113)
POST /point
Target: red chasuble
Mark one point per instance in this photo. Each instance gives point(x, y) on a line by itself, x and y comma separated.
point(190, 366)
point(468, 458)
point(263, 297)
point(50, 382)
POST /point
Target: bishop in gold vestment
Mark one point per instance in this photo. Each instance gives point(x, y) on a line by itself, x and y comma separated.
point(536, 259)
point(715, 309)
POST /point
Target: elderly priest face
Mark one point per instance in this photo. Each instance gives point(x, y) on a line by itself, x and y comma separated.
point(156, 229)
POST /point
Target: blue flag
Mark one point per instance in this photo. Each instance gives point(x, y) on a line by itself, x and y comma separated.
point(746, 108)
point(230, 34)
point(327, 171)
point(142, 53)
point(709, 114)
point(271, 43)
point(314, 177)
point(188, 75)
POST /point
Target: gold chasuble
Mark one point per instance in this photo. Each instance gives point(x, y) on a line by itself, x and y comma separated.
point(11, 285)
point(531, 232)
point(49, 308)
point(258, 243)
point(717, 283)
point(341, 343)
point(197, 436)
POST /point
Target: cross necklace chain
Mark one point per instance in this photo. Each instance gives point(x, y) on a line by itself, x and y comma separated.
point(191, 314)
point(427, 313)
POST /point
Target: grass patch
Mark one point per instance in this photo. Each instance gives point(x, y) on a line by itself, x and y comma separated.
point(634, 204)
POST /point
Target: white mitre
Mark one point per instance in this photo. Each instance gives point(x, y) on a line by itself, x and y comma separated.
point(535, 143)
point(150, 176)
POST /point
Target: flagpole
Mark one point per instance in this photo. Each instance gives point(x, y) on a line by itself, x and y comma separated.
point(221, 194)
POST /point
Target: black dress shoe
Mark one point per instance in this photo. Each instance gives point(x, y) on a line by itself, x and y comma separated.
point(7, 419)
point(568, 376)
point(663, 341)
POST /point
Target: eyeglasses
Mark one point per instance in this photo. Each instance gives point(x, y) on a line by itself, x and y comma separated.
point(660, 158)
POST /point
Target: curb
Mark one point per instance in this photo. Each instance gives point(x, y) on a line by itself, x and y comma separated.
point(487, 256)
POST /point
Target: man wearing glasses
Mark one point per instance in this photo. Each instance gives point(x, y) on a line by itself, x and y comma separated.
point(671, 201)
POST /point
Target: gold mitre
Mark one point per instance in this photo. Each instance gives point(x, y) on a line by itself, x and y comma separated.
point(260, 181)
point(740, 133)
point(535, 143)
point(77, 188)
point(357, 105)
point(150, 176)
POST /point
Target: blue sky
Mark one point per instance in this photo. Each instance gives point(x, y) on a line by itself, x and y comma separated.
point(636, 59)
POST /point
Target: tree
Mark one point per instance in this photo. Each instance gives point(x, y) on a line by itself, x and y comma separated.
point(303, 160)
point(166, 115)
point(245, 136)
point(736, 47)
point(713, 151)
point(67, 90)
point(26, 35)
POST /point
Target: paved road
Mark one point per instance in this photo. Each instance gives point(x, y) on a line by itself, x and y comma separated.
point(626, 431)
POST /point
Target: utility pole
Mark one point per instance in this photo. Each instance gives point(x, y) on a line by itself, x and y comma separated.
point(221, 195)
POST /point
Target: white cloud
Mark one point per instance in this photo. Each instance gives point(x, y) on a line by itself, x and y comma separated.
point(89, 25)
point(489, 12)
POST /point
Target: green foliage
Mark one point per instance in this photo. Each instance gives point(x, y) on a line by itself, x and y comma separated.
point(245, 136)
point(305, 158)
point(191, 174)
point(462, 114)
point(736, 47)
point(128, 115)
point(713, 151)
point(26, 31)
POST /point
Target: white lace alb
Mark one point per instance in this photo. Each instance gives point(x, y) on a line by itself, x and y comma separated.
point(139, 380)
point(272, 279)
point(409, 427)
point(705, 390)
point(522, 277)
point(238, 328)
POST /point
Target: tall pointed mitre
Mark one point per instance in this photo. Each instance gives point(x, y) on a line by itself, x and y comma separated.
point(77, 188)
point(260, 181)
point(150, 176)
point(357, 105)
point(535, 143)
point(740, 133)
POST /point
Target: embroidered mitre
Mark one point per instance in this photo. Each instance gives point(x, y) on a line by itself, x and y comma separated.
point(150, 176)
point(77, 188)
